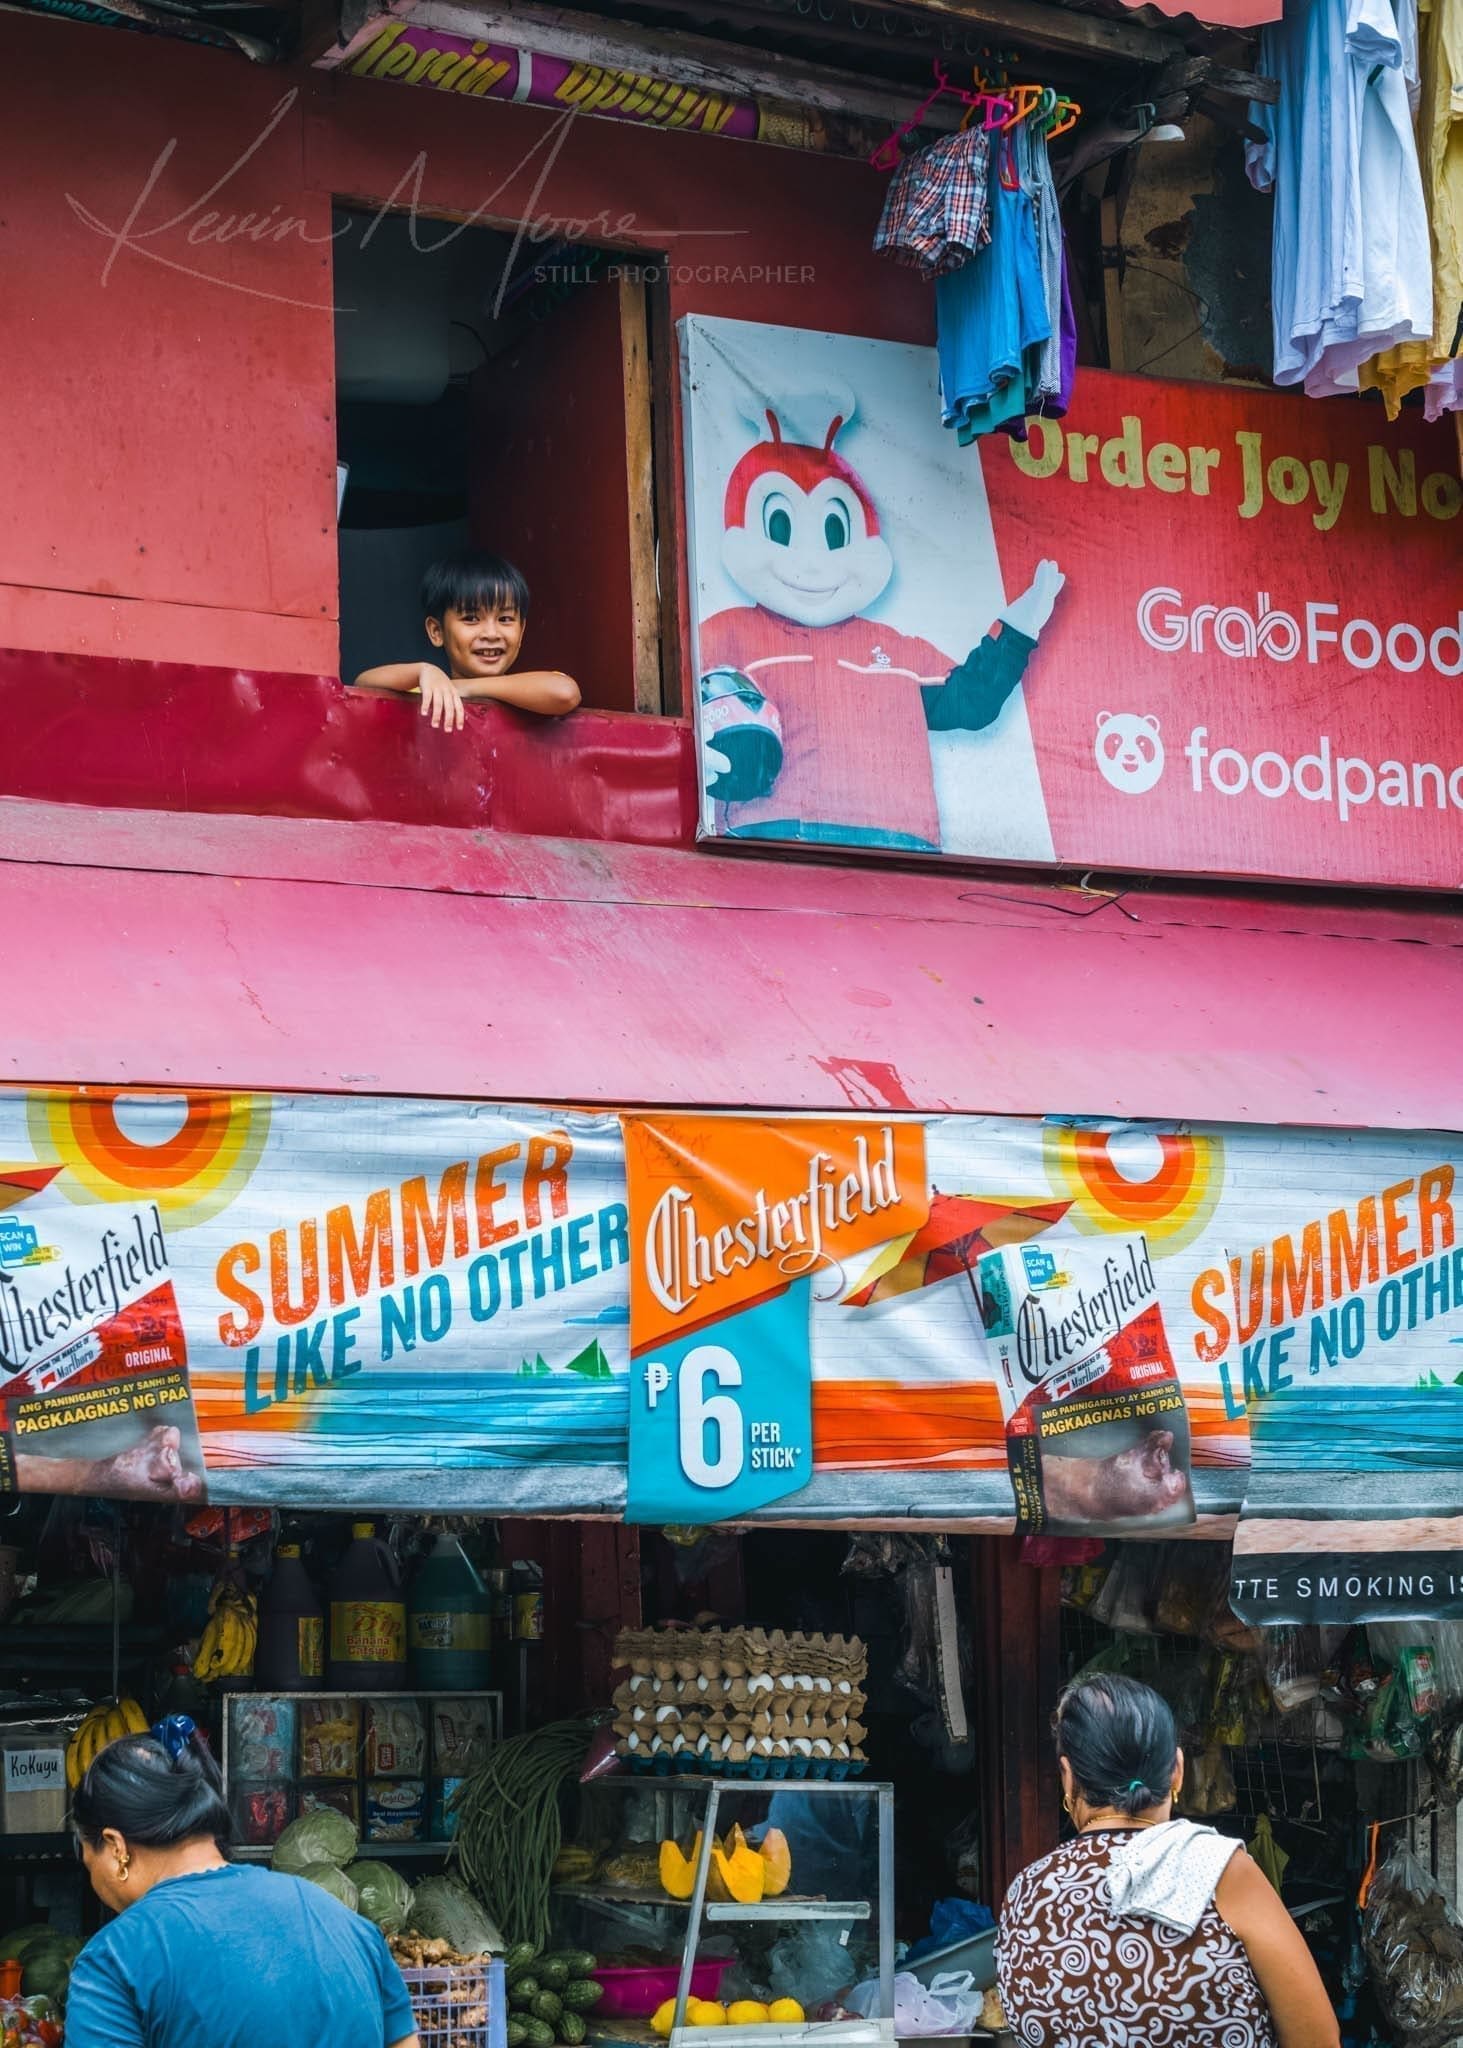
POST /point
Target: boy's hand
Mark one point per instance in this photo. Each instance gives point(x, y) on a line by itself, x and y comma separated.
point(440, 700)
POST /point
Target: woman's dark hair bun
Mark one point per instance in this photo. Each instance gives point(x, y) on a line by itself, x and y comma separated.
point(152, 1798)
point(1119, 1737)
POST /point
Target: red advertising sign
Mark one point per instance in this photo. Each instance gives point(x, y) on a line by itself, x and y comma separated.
point(1187, 629)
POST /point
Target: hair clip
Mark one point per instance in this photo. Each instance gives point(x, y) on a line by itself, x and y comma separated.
point(175, 1733)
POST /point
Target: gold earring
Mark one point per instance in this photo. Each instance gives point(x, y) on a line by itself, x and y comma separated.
point(1067, 1806)
point(124, 1868)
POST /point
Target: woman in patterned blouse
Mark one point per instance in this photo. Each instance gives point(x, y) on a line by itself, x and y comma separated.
point(1143, 1931)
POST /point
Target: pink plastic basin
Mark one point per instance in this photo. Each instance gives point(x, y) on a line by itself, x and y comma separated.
point(636, 1994)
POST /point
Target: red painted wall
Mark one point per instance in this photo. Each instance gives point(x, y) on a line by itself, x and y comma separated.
point(548, 488)
point(170, 441)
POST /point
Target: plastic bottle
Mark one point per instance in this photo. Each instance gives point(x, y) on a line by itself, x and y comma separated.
point(291, 1652)
point(449, 1624)
point(367, 1618)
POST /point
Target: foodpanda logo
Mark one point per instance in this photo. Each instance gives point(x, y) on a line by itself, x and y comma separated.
point(1129, 750)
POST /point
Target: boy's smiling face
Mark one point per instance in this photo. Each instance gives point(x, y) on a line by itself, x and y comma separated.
point(483, 640)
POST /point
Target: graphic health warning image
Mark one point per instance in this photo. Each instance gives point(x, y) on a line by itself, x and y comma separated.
point(94, 1390)
point(1097, 1433)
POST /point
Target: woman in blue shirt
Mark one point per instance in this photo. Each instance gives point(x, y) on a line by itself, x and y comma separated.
point(205, 1953)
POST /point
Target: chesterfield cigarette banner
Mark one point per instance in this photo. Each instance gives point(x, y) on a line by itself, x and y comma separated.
point(1186, 629)
point(324, 1295)
point(309, 1299)
point(737, 1223)
point(1086, 1379)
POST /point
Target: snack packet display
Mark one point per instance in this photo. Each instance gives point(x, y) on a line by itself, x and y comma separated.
point(330, 1738)
point(261, 1812)
point(462, 1735)
point(261, 1738)
point(1097, 1433)
point(444, 1820)
point(396, 1739)
point(344, 1799)
point(395, 1810)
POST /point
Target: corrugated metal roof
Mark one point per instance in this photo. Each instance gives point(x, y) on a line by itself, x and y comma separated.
point(1220, 23)
point(1218, 27)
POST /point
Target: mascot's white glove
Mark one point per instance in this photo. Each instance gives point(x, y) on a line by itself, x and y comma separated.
point(713, 764)
point(1031, 610)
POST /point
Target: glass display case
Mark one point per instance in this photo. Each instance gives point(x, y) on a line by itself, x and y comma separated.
point(771, 1899)
point(389, 1761)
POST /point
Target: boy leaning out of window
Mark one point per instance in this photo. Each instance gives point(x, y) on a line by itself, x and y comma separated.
point(476, 609)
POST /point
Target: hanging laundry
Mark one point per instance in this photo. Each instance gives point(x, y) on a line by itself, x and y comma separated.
point(1437, 363)
point(936, 211)
point(1036, 174)
point(1352, 268)
point(992, 312)
point(1050, 391)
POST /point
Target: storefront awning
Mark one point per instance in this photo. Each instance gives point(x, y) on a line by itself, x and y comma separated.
point(261, 953)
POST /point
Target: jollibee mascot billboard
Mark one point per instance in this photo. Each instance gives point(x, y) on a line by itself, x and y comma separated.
point(831, 708)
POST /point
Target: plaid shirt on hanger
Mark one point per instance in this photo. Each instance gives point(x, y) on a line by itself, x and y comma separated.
point(936, 211)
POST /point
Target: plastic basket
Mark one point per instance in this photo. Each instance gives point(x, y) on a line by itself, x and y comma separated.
point(459, 2005)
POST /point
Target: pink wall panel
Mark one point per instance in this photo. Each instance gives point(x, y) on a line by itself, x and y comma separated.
point(435, 963)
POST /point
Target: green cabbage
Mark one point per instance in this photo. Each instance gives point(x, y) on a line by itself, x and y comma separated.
point(324, 1837)
point(445, 1910)
point(386, 1897)
point(333, 1881)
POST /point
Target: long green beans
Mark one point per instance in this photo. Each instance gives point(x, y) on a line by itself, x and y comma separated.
point(508, 1828)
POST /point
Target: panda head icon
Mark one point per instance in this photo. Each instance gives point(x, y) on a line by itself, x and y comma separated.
point(1128, 750)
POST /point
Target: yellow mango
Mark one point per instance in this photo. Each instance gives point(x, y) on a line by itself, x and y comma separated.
point(747, 2012)
point(661, 2018)
point(786, 2012)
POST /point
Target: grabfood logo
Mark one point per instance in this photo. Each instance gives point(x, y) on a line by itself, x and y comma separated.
point(1170, 626)
point(1129, 750)
point(1130, 753)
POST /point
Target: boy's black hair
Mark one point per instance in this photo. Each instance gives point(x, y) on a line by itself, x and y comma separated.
point(465, 583)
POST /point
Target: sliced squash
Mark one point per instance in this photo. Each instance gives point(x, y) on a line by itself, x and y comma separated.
point(777, 1858)
point(739, 1868)
point(678, 1868)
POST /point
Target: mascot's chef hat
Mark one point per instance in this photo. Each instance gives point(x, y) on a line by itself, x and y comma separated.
point(800, 464)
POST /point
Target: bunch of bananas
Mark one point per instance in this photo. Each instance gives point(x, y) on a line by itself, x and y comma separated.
point(226, 1649)
point(102, 1725)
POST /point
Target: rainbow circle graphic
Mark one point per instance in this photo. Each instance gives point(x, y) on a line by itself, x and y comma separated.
point(192, 1169)
point(1128, 1177)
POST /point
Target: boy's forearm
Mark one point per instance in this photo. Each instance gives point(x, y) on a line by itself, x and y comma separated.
point(547, 691)
point(394, 675)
